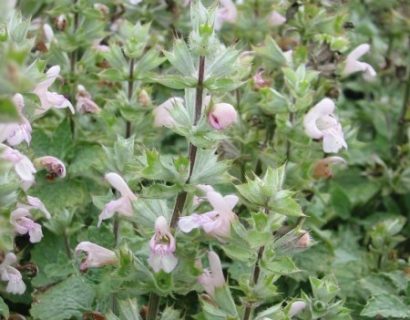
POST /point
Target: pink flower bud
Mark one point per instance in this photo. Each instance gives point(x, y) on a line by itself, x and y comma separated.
point(143, 98)
point(35, 203)
point(320, 123)
point(97, 256)
point(276, 19)
point(296, 308)
point(162, 247)
point(213, 277)
point(10, 274)
point(102, 8)
point(258, 80)
point(222, 115)
point(304, 241)
point(54, 166)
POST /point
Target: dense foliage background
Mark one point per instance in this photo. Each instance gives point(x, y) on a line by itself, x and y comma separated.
point(309, 238)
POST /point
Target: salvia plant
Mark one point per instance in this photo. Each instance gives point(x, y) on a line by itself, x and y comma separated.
point(181, 159)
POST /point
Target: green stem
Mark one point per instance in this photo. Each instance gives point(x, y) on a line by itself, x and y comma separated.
point(255, 275)
point(130, 89)
point(181, 198)
point(401, 131)
point(153, 306)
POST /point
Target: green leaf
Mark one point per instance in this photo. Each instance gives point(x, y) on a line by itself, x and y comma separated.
point(208, 170)
point(181, 59)
point(8, 111)
point(68, 299)
point(280, 265)
point(170, 314)
point(386, 306)
point(129, 310)
point(4, 309)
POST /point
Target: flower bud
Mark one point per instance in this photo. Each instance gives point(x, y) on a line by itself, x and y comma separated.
point(296, 307)
point(61, 22)
point(213, 277)
point(222, 116)
point(54, 166)
point(143, 98)
point(258, 80)
point(304, 241)
point(322, 168)
point(102, 8)
point(276, 19)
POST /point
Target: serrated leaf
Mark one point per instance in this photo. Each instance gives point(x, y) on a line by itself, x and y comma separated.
point(68, 299)
point(387, 306)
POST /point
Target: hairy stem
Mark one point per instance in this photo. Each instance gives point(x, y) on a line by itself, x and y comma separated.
point(181, 198)
point(255, 276)
point(288, 143)
point(129, 93)
point(401, 131)
point(153, 306)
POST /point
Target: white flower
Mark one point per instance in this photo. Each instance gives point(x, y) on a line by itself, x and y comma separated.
point(213, 277)
point(23, 167)
point(276, 19)
point(226, 13)
point(162, 247)
point(122, 205)
point(50, 99)
point(353, 65)
point(10, 274)
point(321, 123)
point(48, 33)
point(23, 224)
point(97, 256)
point(162, 116)
point(217, 222)
point(16, 132)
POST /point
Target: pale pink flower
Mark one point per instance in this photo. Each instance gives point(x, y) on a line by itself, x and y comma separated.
point(35, 203)
point(276, 19)
point(100, 47)
point(227, 12)
point(50, 99)
point(353, 65)
point(222, 116)
point(23, 167)
point(162, 247)
point(54, 166)
point(197, 200)
point(48, 33)
point(10, 274)
point(96, 256)
point(321, 123)
point(216, 223)
point(85, 104)
point(135, 2)
point(213, 277)
point(122, 205)
point(162, 115)
point(296, 307)
point(304, 241)
point(23, 224)
point(16, 132)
